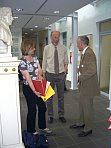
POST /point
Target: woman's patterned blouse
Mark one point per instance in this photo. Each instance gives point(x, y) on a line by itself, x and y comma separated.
point(31, 67)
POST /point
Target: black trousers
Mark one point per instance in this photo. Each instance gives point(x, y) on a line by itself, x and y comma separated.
point(32, 100)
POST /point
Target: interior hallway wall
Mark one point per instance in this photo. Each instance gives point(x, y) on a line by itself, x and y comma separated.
point(88, 19)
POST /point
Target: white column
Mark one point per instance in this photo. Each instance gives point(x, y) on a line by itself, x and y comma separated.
point(49, 33)
point(10, 121)
point(37, 44)
point(74, 51)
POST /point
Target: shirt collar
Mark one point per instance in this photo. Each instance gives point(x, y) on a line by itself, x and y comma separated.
point(55, 45)
point(83, 52)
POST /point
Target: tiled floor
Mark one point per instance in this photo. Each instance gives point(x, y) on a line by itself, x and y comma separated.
point(67, 138)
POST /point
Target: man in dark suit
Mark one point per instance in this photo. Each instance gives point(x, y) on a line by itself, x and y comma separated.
point(88, 86)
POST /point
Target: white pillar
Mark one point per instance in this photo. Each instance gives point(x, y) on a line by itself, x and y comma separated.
point(74, 51)
point(49, 33)
point(37, 43)
point(10, 121)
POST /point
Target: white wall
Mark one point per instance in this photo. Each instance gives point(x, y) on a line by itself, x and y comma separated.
point(88, 19)
point(89, 15)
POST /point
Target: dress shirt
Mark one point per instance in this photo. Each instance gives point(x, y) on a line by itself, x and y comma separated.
point(48, 58)
point(83, 52)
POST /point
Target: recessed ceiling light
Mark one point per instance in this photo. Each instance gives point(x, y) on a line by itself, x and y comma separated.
point(56, 12)
point(31, 29)
point(46, 18)
point(15, 17)
point(19, 9)
point(43, 21)
point(36, 26)
point(46, 27)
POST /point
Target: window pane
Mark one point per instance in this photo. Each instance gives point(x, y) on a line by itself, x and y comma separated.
point(105, 26)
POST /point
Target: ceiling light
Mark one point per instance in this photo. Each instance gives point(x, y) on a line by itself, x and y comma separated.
point(43, 21)
point(36, 26)
point(19, 9)
point(15, 17)
point(56, 12)
point(31, 29)
point(46, 18)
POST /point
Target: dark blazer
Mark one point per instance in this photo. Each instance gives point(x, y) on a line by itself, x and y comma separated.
point(88, 80)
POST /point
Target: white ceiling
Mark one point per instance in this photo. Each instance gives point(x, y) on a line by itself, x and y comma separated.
point(34, 11)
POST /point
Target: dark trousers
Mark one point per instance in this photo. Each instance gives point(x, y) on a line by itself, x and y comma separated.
point(32, 100)
point(58, 80)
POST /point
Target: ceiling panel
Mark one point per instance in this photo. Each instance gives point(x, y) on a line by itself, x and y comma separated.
point(41, 21)
point(29, 6)
point(65, 6)
point(34, 11)
point(21, 21)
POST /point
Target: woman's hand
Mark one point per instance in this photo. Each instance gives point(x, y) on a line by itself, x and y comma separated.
point(40, 77)
point(37, 93)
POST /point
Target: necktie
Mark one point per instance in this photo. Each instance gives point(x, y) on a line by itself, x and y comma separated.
point(56, 61)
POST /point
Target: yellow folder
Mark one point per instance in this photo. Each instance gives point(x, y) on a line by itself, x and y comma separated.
point(48, 94)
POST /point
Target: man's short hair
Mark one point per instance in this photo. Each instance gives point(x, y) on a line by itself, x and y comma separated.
point(54, 31)
point(84, 39)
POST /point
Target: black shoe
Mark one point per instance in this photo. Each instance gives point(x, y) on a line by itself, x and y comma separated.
point(76, 126)
point(62, 119)
point(50, 120)
point(83, 134)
